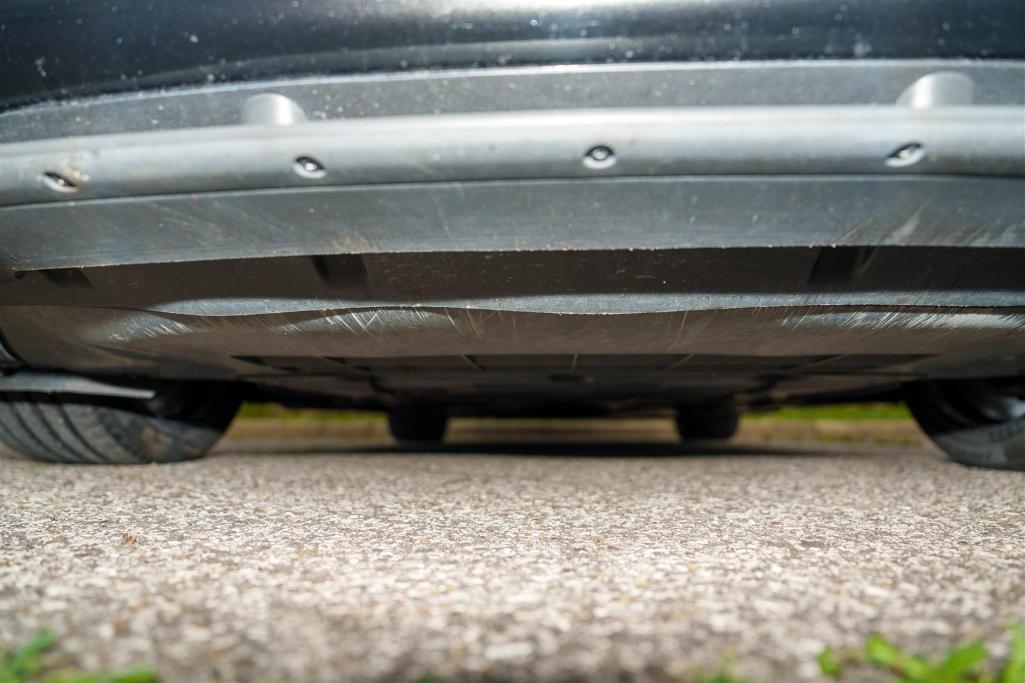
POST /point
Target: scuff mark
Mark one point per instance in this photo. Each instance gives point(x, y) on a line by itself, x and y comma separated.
point(907, 229)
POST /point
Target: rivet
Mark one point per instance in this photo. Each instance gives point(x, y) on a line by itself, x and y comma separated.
point(599, 156)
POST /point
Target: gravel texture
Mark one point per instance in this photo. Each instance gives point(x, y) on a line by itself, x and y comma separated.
point(507, 561)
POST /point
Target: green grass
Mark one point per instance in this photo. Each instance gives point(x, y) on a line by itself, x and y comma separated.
point(969, 663)
point(35, 662)
point(854, 411)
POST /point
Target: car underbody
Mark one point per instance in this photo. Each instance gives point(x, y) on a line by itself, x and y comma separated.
point(484, 332)
point(557, 239)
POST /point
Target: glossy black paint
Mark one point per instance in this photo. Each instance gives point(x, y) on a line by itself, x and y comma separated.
point(60, 48)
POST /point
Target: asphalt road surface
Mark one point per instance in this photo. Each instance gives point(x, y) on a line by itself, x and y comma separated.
point(494, 560)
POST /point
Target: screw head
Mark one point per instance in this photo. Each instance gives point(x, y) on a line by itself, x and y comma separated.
point(599, 156)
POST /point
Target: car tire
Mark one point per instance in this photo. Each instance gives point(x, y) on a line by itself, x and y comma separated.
point(181, 423)
point(974, 422)
point(418, 425)
point(706, 424)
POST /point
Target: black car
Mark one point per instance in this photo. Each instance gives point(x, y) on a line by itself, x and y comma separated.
point(484, 207)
